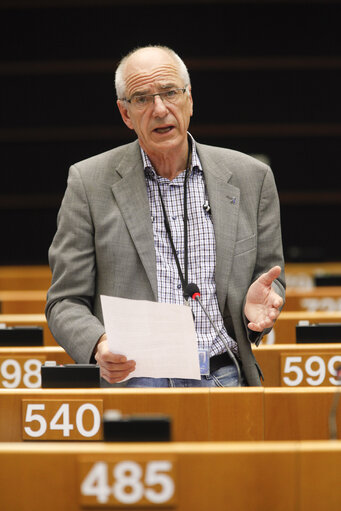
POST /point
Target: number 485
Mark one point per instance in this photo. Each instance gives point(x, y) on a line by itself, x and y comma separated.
point(129, 486)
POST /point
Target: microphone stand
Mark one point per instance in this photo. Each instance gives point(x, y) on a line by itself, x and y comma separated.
point(333, 410)
point(192, 290)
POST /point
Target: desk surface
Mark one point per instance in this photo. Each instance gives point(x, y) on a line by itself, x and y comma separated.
point(195, 416)
point(280, 360)
point(227, 414)
point(284, 330)
point(30, 320)
point(22, 302)
point(290, 476)
point(315, 299)
point(25, 277)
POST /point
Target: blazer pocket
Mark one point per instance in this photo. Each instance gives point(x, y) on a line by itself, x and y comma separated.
point(245, 245)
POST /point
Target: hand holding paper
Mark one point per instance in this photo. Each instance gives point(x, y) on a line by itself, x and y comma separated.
point(159, 337)
point(113, 367)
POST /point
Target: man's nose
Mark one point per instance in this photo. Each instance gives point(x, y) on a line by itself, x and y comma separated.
point(159, 107)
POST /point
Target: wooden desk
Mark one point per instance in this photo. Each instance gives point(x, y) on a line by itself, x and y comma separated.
point(30, 320)
point(20, 367)
point(301, 275)
point(25, 277)
point(239, 476)
point(197, 414)
point(270, 358)
point(22, 302)
point(284, 331)
point(298, 413)
point(316, 299)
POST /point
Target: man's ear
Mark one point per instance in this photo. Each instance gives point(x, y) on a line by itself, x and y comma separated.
point(124, 114)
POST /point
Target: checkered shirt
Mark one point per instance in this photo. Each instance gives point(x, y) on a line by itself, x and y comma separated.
point(201, 248)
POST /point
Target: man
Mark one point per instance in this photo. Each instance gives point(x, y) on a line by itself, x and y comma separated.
point(143, 220)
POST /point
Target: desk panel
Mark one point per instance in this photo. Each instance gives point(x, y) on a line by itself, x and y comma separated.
point(25, 277)
point(269, 359)
point(225, 414)
point(20, 367)
point(284, 331)
point(188, 408)
point(317, 487)
point(199, 414)
point(22, 302)
point(298, 413)
point(316, 299)
point(242, 476)
point(30, 320)
point(301, 275)
point(239, 476)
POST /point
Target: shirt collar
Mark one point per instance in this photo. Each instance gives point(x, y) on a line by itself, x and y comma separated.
point(150, 171)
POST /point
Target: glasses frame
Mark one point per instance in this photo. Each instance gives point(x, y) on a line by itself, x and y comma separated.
point(161, 94)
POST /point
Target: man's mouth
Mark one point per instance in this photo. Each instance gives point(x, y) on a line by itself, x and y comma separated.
point(165, 129)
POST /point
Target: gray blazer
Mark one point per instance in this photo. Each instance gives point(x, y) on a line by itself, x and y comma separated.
point(104, 243)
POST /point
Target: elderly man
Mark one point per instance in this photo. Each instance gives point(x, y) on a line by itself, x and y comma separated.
point(143, 220)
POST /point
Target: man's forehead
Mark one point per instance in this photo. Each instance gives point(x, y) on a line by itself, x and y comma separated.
point(146, 67)
point(149, 56)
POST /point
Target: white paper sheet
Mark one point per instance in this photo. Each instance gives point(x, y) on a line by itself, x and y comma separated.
point(160, 337)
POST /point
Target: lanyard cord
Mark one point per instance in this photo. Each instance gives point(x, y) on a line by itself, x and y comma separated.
point(184, 279)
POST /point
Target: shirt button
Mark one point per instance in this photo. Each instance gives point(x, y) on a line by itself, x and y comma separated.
point(174, 217)
point(179, 286)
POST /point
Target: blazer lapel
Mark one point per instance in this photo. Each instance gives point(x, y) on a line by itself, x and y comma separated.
point(131, 196)
point(224, 202)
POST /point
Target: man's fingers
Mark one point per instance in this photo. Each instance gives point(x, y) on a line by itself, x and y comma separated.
point(267, 278)
point(110, 366)
point(254, 327)
point(113, 367)
point(278, 302)
point(113, 372)
point(113, 358)
point(114, 377)
point(267, 322)
point(273, 314)
point(129, 366)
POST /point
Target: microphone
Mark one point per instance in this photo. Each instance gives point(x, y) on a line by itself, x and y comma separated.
point(332, 420)
point(192, 291)
point(206, 206)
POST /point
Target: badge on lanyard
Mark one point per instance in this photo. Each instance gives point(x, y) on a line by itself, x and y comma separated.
point(204, 362)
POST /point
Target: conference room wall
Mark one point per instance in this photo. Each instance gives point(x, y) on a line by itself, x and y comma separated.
point(265, 75)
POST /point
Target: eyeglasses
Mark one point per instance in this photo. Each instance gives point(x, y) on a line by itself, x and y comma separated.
point(144, 100)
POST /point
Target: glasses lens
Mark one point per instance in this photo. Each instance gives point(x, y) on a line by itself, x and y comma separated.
point(170, 96)
point(173, 95)
point(141, 101)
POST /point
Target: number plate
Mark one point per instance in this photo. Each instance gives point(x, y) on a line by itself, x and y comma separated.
point(20, 372)
point(50, 419)
point(146, 481)
point(309, 369)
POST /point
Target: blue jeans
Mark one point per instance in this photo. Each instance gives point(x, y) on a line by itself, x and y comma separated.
point(223, 377)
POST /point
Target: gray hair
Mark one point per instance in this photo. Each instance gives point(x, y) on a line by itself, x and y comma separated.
point(120, 84)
